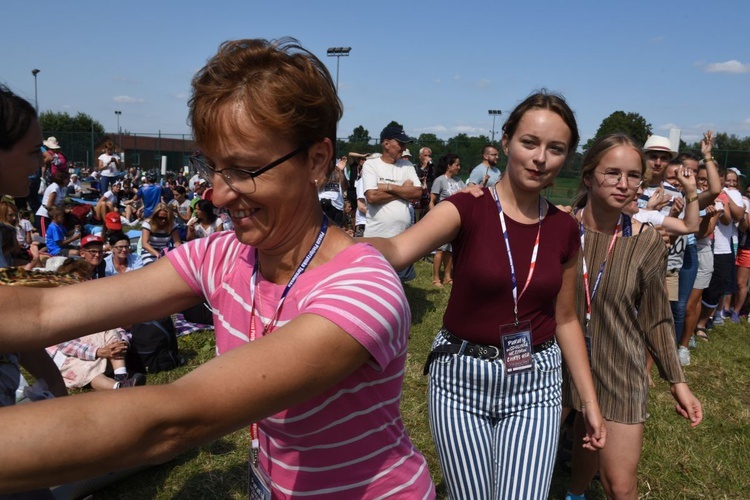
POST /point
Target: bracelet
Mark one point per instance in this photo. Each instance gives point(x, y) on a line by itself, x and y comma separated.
point(694, 198)
point(388, 187)
point(709, 158)
point(583, 405)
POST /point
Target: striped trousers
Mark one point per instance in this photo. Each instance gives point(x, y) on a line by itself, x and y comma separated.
point(496, 434)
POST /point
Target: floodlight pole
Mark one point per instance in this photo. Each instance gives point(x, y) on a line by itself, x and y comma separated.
point(495, 113)
point(36, 100)
point(119, 132)
point(338, 53)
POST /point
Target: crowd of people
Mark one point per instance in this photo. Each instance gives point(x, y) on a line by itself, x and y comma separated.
point(552, 309)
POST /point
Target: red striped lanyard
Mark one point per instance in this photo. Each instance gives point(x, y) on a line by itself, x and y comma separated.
point(590, 296)
point(516, 295)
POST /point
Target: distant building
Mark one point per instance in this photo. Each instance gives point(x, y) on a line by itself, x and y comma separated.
point(145, 151)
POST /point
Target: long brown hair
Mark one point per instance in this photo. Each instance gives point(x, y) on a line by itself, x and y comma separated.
point(7, 208)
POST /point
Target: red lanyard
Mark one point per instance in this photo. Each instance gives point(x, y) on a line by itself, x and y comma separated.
point(590, 296)
point(516, 295)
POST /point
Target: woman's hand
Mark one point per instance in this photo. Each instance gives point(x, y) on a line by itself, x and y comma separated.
point(596, 429)
point(687, 404)
point(687, 180)
point(658, 200)
point(677, 205)
point(474, 190)
point(707, 143)
point(113, 350)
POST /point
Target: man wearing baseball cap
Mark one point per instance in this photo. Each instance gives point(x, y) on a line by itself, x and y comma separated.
point(92, 251)
point(390, 183)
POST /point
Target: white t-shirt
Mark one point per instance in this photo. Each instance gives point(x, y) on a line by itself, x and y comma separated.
point(193, 181)
point(392, 218)
point(22, 229)
point(77, 186)
point(182, 209)
point(646, 216)
point(110, 197)
point(649, 191)
point(724, 234)
point(361, 219)
point(59, 198)
point(332, 191)
point(110, 168)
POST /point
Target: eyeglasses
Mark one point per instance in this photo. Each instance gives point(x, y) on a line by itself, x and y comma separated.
point(93, 252)
point(121, 247)
point(239, 180)
point(613, 177)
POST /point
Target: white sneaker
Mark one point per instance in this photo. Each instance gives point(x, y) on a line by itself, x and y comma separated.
point(684, 355)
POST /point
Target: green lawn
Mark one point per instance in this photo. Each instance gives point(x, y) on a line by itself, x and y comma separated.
point(711, 461)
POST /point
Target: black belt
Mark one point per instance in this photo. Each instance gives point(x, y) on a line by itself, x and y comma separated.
point(457, 345)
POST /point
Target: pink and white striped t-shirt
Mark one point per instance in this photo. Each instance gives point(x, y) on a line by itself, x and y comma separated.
point(348, 442)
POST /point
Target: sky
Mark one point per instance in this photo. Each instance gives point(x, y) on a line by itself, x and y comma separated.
point(435, 67)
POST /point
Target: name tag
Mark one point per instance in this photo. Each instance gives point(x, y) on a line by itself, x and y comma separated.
point(517, 349)
point(258, 488)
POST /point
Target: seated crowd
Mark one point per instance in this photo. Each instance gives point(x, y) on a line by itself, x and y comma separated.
point(92, 241)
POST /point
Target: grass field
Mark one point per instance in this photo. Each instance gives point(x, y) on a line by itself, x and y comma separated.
point(563, 191)
point(710, 461)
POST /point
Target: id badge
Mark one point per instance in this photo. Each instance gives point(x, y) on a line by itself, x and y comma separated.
point(258, 485)
point(517, 352)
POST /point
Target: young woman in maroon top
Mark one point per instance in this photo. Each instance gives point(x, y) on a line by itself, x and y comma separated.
point(495, 423)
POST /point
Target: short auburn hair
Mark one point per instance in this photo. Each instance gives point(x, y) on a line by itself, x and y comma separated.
point(280, 86)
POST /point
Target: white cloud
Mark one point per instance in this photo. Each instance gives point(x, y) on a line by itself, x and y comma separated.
point(733, 66)
point(746, 122)
point(483, 83)
point(128, 99)
point(468, 130)
point(445, 132)
point(437, 80)
point(181, 96)
point(435, 129)
point(658, 39)
point(456, 77)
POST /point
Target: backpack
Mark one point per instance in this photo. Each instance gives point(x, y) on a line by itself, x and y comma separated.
point(155, 344)
point(59, 163)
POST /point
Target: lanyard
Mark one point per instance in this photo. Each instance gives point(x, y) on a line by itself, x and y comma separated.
point(590, 296)
point(516, 295)
point(274, 319)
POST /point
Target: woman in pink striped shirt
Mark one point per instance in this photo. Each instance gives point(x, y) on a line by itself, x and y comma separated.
point(311, 328)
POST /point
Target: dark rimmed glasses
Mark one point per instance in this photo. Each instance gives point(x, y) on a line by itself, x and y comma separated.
point(238, 179)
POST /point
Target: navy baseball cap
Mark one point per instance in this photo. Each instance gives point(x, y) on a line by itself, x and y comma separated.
point(394, 132)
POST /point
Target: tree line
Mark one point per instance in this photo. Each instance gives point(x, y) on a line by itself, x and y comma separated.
point(78, 133)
